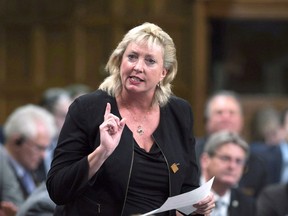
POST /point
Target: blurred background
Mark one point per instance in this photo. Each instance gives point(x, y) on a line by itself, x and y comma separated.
point(238, 45)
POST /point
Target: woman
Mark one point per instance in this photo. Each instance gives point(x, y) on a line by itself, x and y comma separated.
point(127, 147)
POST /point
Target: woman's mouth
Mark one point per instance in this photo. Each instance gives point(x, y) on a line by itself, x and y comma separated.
point(134, 79)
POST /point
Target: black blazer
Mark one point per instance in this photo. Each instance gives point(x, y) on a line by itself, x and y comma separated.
point(105, 193)
point(241, 205)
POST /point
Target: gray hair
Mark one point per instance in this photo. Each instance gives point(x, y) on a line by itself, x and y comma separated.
point(221, 93)
point(223, 137)
point(23, 121)
point(52, 96)
point(151, 34)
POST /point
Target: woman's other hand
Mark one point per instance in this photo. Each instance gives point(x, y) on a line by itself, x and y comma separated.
point(205, 206)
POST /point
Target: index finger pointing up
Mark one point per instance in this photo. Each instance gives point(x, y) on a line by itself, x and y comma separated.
point(107, 110)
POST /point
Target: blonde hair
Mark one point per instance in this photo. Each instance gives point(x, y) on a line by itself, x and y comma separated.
point(151, 34)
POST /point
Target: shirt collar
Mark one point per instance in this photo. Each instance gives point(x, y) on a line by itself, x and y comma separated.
point(19, 169)
point(225, 198)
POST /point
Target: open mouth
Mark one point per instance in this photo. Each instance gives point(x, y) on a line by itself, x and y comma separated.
point(135, 79)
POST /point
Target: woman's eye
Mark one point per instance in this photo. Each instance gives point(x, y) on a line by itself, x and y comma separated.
point(150, 61)
point(132, 57)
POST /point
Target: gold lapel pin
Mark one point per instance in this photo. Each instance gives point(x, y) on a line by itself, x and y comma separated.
point(175, 167)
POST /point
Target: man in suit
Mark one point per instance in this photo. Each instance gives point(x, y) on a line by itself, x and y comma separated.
point(276, 156)
point(28, 132)
point(224, 111)
point(224, 157)
point(273, 200)
point(9, 199)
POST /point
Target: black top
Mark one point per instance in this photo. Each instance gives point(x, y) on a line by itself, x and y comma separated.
point(148, 186)
point(106, 192)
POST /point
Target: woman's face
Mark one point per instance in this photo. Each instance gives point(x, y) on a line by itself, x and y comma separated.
point(142, 68)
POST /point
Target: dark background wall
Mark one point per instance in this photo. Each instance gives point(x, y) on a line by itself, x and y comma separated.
point(50, 43)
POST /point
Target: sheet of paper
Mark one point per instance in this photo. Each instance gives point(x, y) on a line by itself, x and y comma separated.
point(184, 202)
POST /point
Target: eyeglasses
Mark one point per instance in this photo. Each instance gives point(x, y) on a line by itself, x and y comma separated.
point(227, 159)
point(36, 147)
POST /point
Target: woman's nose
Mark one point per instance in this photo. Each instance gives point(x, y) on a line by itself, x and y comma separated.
point(139, 66)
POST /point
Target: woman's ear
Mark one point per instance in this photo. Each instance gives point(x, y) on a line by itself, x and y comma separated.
point(163, 75)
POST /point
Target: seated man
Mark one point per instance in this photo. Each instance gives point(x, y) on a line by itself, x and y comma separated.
point(28, 132)
point(224, 111)
point(224, 157)
point(9, 199)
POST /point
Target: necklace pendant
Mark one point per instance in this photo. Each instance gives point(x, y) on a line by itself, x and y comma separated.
point(140, 130)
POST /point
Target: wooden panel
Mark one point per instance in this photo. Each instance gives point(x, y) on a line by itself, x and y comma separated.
point(38, 55)
point(59, 42)
point(3, 69)
point(248, 10)
point(98, 49)
point(231, 9)
point(58, 54)
point(18, 49)
point(55, 43)
point(199, 64)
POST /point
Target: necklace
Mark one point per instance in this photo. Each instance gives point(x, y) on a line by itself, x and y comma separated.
point(140, 130)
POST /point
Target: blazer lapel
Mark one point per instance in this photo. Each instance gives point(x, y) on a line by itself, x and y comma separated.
point(234, 204)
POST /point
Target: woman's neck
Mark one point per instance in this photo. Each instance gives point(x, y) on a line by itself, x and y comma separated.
point(135, 103)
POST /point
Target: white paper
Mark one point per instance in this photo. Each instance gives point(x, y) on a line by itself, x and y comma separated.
point(184, 202)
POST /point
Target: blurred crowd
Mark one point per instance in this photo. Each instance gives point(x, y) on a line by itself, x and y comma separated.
point(251, 177)
point(28, 138)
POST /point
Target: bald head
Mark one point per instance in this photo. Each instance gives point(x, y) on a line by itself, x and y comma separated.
point(224, 112)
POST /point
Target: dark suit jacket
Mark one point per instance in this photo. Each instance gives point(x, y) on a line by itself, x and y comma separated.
point(241, 204)
point(273, 159)
point(273, 201)
point(10, 189)
point(1, 135)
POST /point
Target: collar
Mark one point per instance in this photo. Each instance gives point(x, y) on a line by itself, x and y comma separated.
point(226, 198)
point(284, 151)
point(19, 169)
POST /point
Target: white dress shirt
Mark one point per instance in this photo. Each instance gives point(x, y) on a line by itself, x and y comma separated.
point(222, 204)
point(284, 151)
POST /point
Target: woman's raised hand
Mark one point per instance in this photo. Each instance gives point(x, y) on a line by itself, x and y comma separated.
point(111, 130)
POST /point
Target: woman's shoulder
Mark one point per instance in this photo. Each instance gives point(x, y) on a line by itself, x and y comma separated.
point(180, 109)
point(90, 106)
point(178, 103)
point(93, 100)
point(95, 95)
